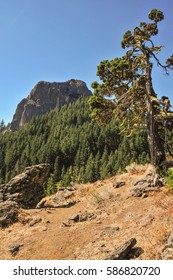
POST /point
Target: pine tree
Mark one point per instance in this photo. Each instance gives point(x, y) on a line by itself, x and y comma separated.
point(57, 169)
point(89, 175)
point(128, 81)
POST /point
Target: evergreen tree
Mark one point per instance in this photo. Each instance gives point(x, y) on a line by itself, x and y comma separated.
point(57, 169)
point(128, 81)
point(2, 125)
point(90, 175)
point(76, 148)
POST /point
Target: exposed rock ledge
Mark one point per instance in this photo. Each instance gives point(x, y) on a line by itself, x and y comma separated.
point(46, 96)
point(27, 188)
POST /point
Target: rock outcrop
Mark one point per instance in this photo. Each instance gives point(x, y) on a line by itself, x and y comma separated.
point(122, 252)
point(8, 213)
point(146, 183)
point(46, 96)
point(61, 199)
point(27, 188)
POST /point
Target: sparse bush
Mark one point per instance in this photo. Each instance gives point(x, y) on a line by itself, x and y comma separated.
point(169, 180)
point(97, 195)
point(134, 168)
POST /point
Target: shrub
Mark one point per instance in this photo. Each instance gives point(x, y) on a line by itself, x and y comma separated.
point(169, 180)
point(134, 168)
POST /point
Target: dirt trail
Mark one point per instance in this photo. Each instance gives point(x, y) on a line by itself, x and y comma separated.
point(114, 216)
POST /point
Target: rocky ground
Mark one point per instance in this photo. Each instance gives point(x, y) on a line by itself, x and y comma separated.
point(123, 217)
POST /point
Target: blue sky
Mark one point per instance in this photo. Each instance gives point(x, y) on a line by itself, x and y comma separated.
point(55, 40)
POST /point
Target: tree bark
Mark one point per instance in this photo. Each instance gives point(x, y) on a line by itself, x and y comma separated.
point(157, 151)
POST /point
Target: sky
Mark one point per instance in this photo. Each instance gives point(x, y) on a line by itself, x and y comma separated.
point(55, 41)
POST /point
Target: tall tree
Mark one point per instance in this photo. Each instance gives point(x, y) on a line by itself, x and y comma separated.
point(2, 125)
point(127, 81)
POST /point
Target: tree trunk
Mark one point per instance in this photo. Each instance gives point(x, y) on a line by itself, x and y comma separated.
point(151, 139)
point(157, 152)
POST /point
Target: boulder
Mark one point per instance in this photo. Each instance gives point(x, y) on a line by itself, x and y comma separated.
point(146, 183)
point(122, 252)
point(27, 188)
point(61, 199)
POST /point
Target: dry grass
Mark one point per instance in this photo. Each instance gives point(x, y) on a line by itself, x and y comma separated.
point(98, 195)
point(134, 168)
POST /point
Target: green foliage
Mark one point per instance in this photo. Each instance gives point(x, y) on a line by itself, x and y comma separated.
point(2, 126)
point(51, 187)
point(169, 180)
point(156, 15)
point(77, 149)
point(126, 90)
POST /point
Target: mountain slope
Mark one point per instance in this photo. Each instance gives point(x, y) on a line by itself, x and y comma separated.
point(46, 96)
point(109, 217)
point(76, 148)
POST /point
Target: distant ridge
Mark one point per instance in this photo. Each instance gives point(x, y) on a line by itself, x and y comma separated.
point(46, 96)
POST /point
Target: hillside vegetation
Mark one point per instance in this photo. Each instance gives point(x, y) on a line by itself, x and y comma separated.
point(77, 149)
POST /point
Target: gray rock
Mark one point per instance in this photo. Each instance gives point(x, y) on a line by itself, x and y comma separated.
point(35, 221)
point(122, 252)
point(46, 96)
point(137, 192)
point(142, 191)
point(86, 216)
point(75, 218)
point(119, 184)
point(144, 195)
point(109, 230)
point(81, 217)
point(14, 248)
point(61, 199)
point(27, 188)
point(146, 183)
point(8, 213)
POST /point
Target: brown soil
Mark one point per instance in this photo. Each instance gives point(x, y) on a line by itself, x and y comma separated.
point(118, 217)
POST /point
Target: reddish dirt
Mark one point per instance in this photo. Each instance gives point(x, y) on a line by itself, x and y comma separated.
point(119, 217)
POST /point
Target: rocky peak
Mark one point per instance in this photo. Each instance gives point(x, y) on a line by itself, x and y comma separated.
point(46, 96)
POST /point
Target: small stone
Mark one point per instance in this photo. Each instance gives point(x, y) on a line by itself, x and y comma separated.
point(75, 218)
point(119, 184)
point(145, 195)
point(109, 230)
point(34, 221)
point(66, 224)
point(14, 248)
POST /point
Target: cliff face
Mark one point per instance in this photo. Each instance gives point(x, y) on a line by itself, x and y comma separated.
point(46, 96)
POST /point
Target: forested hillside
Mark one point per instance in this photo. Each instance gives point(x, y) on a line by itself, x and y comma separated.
point(76, 148)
